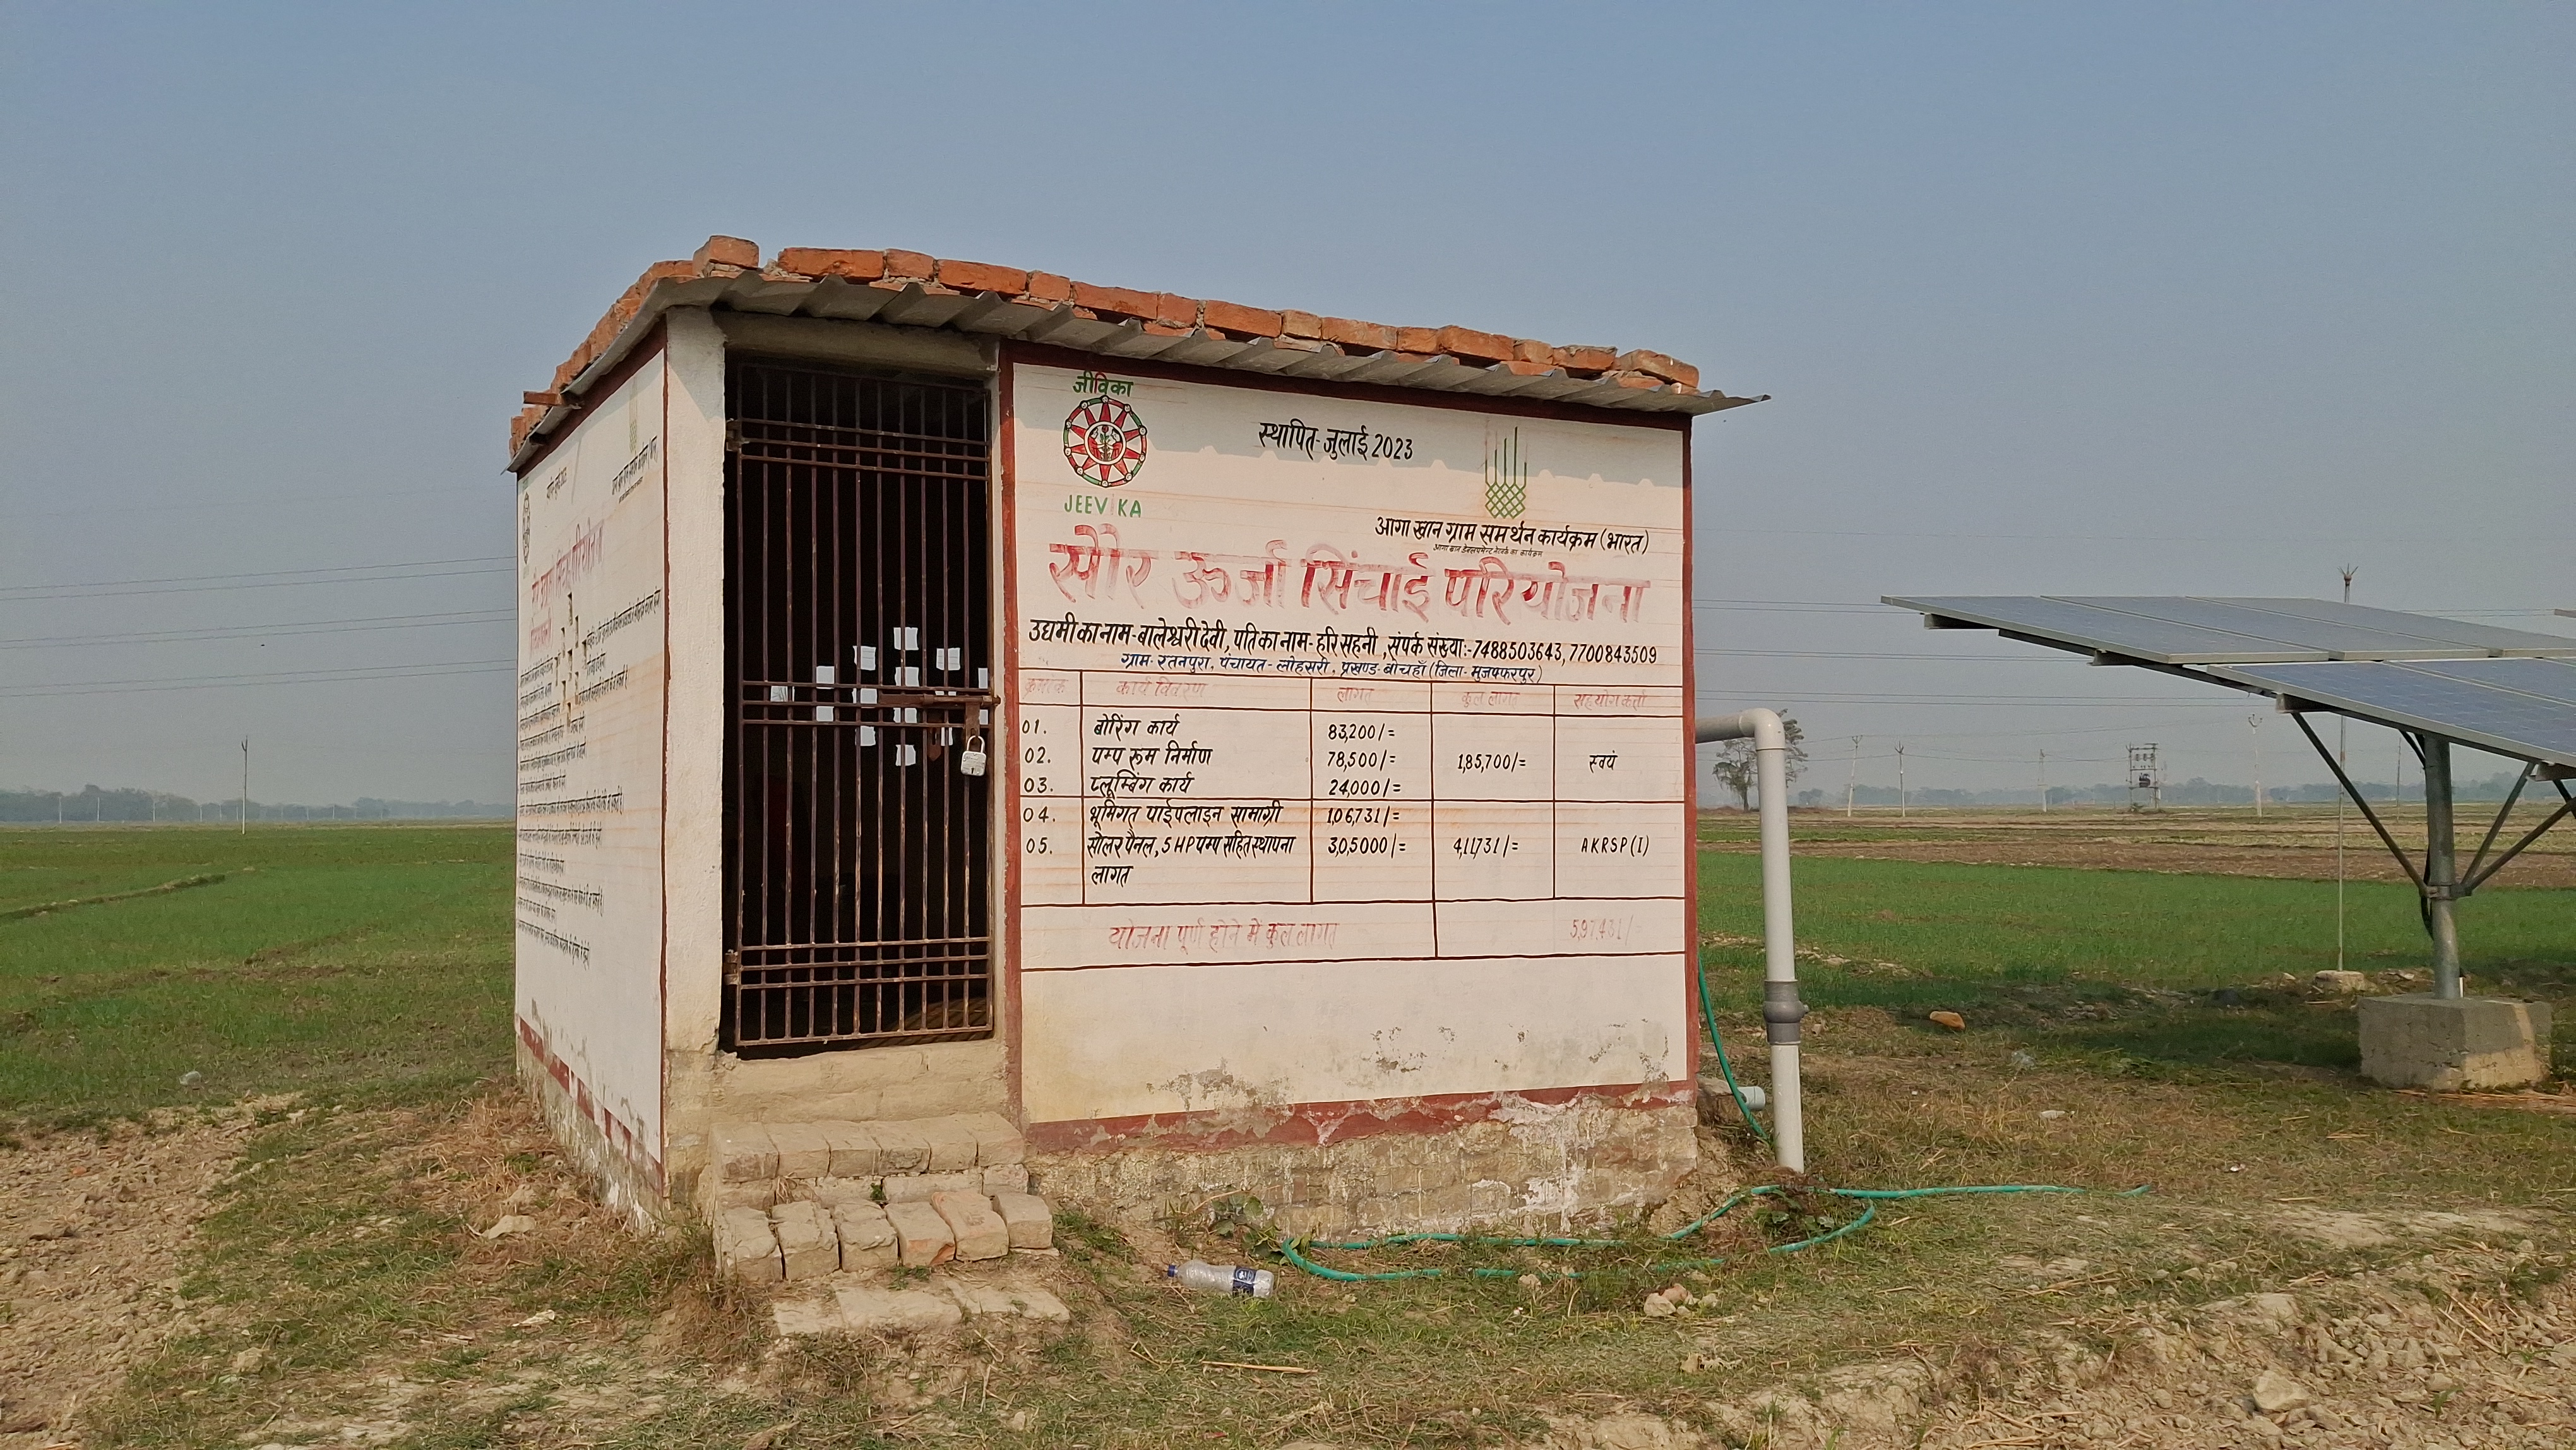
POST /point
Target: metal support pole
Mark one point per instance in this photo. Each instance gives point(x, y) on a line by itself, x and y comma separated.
point(2441, 869)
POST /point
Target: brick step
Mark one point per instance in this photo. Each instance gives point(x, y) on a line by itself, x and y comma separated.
point(847, 1226)
point(900, 1161)
point(850, 1304)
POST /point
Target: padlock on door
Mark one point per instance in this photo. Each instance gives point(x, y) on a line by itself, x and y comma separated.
point(972, 760)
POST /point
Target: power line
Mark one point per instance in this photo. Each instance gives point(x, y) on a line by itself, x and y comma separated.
point(276, 677)
point(263, 579)
point(258, 631)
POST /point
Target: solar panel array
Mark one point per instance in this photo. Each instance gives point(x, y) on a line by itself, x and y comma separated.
point(2524, 708)
point(2184, 630)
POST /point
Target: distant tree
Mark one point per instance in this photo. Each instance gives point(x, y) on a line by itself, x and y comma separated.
point(1737, 770)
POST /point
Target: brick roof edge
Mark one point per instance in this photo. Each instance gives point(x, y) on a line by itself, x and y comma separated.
point(1162, 313)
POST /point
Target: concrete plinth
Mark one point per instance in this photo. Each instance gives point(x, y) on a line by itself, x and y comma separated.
point(2419, 1040)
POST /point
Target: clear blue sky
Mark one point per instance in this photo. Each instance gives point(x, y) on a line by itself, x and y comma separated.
point(2050, 298)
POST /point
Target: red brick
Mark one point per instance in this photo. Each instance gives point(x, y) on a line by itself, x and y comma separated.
point(1373, 336)
point(1124, 301)
point(1293, 323)
point(1577, 358)
point(982, 277)
point(1466, 342)
point(833, 262)
point(1174, 310)
point(1524, 368)
point(1636, 380)
point(543, 400)
point(1049, 288)
point(913, 266)
point(727, 252)
point(1526, 349)
point(1244, 321)
point(1671, 370)
point(1423, 340)
point(1165, 329)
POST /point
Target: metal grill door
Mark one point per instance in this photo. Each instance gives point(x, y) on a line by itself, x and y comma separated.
point(857, 621)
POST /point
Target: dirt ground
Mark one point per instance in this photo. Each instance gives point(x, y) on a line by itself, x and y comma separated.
point(2445, 1329)
point(92, 1227)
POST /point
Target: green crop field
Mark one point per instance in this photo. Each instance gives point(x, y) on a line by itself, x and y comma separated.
point(2125, 1027)
point(369, 960)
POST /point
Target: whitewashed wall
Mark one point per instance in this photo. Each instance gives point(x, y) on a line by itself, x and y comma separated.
point(592, 654)
point(1351, 752)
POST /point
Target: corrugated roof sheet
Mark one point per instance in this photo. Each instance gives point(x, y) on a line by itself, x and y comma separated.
point(914, 289)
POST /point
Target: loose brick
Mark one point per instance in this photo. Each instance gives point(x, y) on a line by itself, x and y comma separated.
point(922, 1237)
point(910, 266)
point(867, 1236)
point(853, 1148)
point(1468, 343)
point(761, 1194)
point(745, 1246)
point(1526, 349)
point(1030, 1222)
point(833, 1192)
point(1124, 301)
point(1049, 288)
point(727, 252)
point(981, 277)
point(1236, 318)
point(979, 1231)
point(1582, 359)
point(996, 1141)
point(900, 1147)
point(833, 262)
point(920, 1187)
point(806, 1239)
point(951, 1142)
point(1364, 336)
point(1424, 340)
point(1009, 1178)
point(1174, 310)
point(745, 1153)
point(1301, 324)
point(868, 1310)
point(1655, 364)
point(1632, 379)
point(802, 1153)
point(1524, 369)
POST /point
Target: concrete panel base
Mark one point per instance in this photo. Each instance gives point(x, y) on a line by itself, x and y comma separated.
point(2418, 1040)
point(1533, 1168)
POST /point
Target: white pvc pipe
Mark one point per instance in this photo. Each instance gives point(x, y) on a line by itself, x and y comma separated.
point(1781, 1009)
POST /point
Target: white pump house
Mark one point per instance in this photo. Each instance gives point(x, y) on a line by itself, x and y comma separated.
point(1237, 750)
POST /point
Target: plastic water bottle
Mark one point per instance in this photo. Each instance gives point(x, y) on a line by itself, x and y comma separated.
point(1242, 1283)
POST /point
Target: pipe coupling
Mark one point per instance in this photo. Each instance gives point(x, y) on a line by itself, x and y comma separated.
point(1781, 1013)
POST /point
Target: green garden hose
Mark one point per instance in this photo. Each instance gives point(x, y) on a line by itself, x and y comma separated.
point(1708, 1014)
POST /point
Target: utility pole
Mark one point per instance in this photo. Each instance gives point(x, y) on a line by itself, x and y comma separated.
point(1851, 787)
point(1900, 780)
point(2043, 782)
point(245, 785)
point(2342, 758)
point(2254, 727)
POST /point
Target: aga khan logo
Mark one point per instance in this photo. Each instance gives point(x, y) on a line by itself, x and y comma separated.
point(1506, 477)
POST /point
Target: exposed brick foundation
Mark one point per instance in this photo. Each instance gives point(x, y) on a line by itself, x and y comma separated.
point(606, 1150)
point(1523, 1165)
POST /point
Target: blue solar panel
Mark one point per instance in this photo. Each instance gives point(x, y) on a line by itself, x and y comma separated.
point(2110, 631)
point(2340, 639)
point(2463, 700)
point(2481, 638)
point(2549, 679)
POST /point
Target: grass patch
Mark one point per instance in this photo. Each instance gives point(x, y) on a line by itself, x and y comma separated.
point(370, 962)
